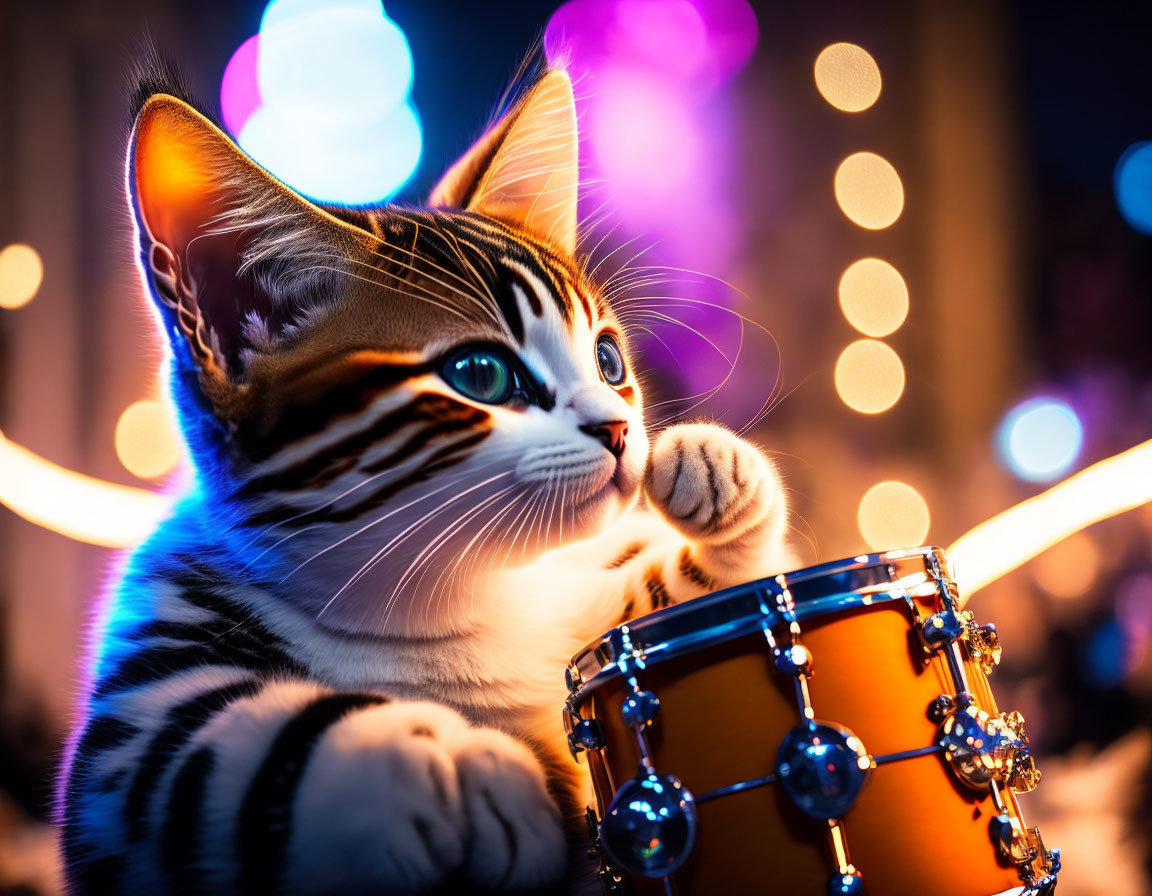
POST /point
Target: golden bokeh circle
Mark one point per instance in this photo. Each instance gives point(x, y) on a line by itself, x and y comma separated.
point(873, 297)
point(869, 376)
point(847, 77)
point(869, 191)
point(1070, 568)
point(893, 515)
point(21, 272)
point(147, 441)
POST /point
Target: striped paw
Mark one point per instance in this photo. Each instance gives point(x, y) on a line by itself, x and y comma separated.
point(710, 484)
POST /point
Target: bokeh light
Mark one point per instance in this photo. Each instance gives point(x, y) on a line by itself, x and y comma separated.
point(869, 190)
point(695, 44)
point(1132, 183)
point(147, 441)
point(893, 515)
point(320, 97)
point(21, 272)
point(1068, 569)
point(873, 297)
point(643, 136)
point(75, 505)
point(1105, 659)
point(847, 77)
point(869, 376)
point(1040, 439)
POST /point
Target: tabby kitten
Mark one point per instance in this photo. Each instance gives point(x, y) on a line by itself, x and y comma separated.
point(418, 447)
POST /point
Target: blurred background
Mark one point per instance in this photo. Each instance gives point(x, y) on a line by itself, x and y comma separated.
point(905, 246)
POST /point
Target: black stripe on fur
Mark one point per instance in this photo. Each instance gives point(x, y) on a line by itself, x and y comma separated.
point(265, 822)
point(180, 726)
point(182, 834)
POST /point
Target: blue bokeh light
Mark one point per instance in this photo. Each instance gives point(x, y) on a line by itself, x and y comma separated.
point(1132, 183)
point(1039, 440)
point(334, 119)
point(1104, 660)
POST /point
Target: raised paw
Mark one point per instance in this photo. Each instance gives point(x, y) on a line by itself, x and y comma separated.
point(712, 485)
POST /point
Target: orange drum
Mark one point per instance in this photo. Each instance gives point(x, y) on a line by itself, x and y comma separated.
point(827, 731)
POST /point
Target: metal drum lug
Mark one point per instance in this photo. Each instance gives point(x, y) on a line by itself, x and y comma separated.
point(1024, 775)
point(982, 643)
point(940, 629)
point(977, 747)
point(583, 734)
point(942, 707)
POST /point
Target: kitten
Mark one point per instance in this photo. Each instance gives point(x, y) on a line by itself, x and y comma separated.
point(418, 445)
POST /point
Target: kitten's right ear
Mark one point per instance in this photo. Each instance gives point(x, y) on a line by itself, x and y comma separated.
point(525, 169)
point(201, 206)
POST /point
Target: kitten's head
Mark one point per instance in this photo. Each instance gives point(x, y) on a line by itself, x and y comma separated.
point(389, 400)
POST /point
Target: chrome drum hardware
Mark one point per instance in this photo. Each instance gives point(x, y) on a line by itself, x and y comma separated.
point(649, 827)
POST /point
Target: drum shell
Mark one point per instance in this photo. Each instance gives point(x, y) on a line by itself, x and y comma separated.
point(724, 712)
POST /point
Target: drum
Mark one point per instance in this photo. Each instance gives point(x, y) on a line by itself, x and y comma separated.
point(830, 730)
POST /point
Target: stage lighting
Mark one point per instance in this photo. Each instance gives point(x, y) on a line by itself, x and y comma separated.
point(147, 441)
point(847, 77)
point(892, 514)
point(873, 297)
point(869, 376)
point(1039, 440)
point(78, 506)
point(20, 274)
point(869, 190)
point(320, 97)
point(1132, 183)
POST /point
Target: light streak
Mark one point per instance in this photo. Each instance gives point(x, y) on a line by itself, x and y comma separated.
point(75, 505)
point(999, 545)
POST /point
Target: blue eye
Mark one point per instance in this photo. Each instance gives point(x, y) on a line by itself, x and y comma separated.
point(611, 361)
point(482, 375)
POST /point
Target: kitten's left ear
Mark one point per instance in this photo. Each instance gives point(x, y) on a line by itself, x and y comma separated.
point(524, 169)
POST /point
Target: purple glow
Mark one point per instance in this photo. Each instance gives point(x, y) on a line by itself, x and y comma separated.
point(657, 143)
point(642, 135)
point(702, 41)
point(240, 88)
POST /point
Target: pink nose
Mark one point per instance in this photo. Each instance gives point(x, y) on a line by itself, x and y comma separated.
point(610, 434)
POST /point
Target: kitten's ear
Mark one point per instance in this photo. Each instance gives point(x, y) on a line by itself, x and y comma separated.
point(206, 215)
point(525, 168)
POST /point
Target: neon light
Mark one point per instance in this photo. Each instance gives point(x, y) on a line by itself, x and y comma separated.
point(83, 508)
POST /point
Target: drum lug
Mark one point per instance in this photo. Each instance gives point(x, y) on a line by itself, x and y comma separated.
point(942, 707)
point(583, 734)
point(941, 629)
point(982, 749)
point(1038, 865)
point(982, 643)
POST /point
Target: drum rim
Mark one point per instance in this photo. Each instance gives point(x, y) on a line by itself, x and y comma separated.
point(615, 653)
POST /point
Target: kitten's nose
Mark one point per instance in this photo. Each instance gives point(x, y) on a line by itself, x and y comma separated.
point(610, 433)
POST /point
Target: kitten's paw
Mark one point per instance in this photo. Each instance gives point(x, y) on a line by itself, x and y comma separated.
point(381, 805)
point(516, 837)
point(710, 484)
